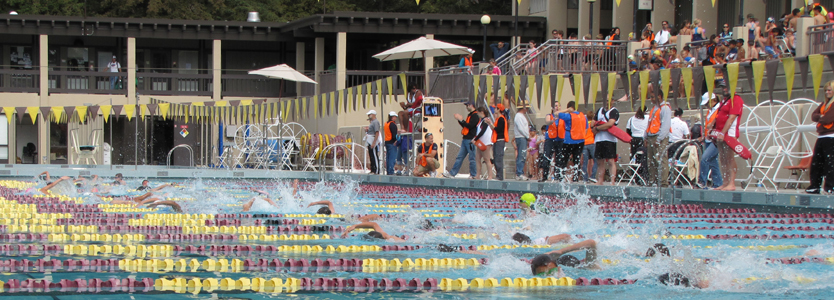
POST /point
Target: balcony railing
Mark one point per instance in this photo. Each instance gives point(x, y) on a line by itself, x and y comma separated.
point(150, 83)
point(359, 77)
point(19, 81)
point(822, 38)
point(83, 82)
point(568, 56)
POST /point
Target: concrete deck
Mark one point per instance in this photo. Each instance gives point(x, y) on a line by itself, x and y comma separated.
point(783, 201)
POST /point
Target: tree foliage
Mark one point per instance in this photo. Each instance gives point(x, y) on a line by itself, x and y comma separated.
point(236, 10)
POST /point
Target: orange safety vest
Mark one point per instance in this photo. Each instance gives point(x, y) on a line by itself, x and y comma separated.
point(467, 61)
point(654, 125)
point(423, 161)
point(557, 129)
point(576, 129)
point(823, 110)
point(589, 134)
point(389, 136)
point(506, 132)
point(465, 130)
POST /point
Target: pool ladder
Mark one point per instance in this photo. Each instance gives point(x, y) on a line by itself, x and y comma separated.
point(190, 155)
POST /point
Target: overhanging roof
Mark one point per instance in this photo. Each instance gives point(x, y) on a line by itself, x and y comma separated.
point(370, 23)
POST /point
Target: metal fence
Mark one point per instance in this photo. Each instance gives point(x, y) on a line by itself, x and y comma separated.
point(452, 84)
point(821, 38)
point(19, 81)
point(174, 84)
point(569, 56)
point(638, 53)
point(84, 82)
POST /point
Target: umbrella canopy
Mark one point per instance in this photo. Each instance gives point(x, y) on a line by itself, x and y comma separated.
point(283, 71)
point(420, 48)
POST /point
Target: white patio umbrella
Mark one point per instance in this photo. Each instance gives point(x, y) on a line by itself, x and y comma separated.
point(283, 71)
point(422, 48)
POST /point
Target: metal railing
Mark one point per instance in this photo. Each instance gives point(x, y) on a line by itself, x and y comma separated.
point(190, 155)
point(569, 56)
point(505, 61)
point(20, 80)
point(821, 38)
point(695, 49)
point(174, 84)
point(255, 86)
point(359, 77)
point(348, 152)
point(452, 84)
point(638, 53)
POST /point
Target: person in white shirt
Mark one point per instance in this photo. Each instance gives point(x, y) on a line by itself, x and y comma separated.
point(484, 136)
point(679, 131)
point(114, 67)
point(662, 37)
point(636, 127)
point(522, 137)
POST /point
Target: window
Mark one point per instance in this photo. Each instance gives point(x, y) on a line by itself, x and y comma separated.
point(20, 57)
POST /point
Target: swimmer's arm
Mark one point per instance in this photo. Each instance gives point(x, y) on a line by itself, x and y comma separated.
point(248, 205)
point(146, 201)
point(473, 252)
point(47, 175)
point(79, 180)
point(329, 205)
point(122, 202)
point(143, 197)
point(270, 202)
point(53, 184)
point(172, 204)
point(157, 189)
point(372, 225)
point(295, 190)
point(260, 192)
point(586, 244)
point(367, 218)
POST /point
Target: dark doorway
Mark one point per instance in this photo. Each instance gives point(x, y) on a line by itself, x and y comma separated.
point(161, 140)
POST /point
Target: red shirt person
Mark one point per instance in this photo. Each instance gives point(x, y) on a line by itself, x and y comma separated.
point(727, 125)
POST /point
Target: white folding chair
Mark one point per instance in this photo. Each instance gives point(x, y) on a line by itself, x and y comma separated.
point(760, 173)
point(631, 171)
point(310, 162)
point(678, 171)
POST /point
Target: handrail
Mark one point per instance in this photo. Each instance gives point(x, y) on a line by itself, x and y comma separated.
point(190, 156)
point(348, 148)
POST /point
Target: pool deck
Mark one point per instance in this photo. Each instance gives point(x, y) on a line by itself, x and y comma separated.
point(783, 201)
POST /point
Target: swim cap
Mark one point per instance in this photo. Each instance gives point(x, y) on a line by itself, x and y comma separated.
point(528, 198)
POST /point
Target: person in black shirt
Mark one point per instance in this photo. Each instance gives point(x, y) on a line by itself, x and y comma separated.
point(426, 160)
point(467, 145)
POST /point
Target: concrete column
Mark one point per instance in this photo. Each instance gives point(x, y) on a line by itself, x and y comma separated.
point(756, 8)
point(429, 63)
point(319, 67)
point(663, 11)
point(803, 41)
point(299, 63)
point(131, 69)
point(703, 9)
point(584, 8)
point(216, 70)
point(341, 60)
point(556, 18)
point(623, 17)
point(43, 123)
point(682, 41)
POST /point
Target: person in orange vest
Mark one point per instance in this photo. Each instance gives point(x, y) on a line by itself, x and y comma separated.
point(576, 124)
point(390, 138)
point(656, 140)
point(589, 173)
point(500, 135)
point(426, 161)
point(466, 62)
point(709, 160)
point(467, 145)
point(822, 163)
point(553, 143)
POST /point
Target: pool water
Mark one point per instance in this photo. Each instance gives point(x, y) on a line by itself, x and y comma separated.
point(78, 244)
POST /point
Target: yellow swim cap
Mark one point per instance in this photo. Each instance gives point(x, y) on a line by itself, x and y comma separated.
point(528, 198)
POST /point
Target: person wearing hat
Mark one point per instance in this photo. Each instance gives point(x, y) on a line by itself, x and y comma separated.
point(530, 206)
point(372, 138)
point(522, 138)
point(547, 265)
point(467, 145)
point(426, 161)
point(114, 67)
point(709, 167)
point(390, 137)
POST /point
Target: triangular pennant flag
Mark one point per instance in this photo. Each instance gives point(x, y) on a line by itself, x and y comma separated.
point(390, 85)
point(632, 92)
point(105, 112)
point(732, 71)
point(572, 82)
point(560, 85)
point(350, 99)
point(502, 84)
point(93, 111)
point(342, 102)
point(748, 71)
point(233, 103)
point(143, 110)
point(644, 87)
point(523, 85)
point(709, 76)
point(553, 86)
point(378, 93)
point(489, 86)
point(217, 103)
point(315, 106)
point(21, 112)
point(516, 87)
point(803, 72)
point(592, 89)
point(152, 109)
point(130, 111)
point(476, 85)
point(697, 83)
point(618, 3)
point(654, 79)
point(246, 102)
point(82, 113)
point(771, 66)
point(713, 3)
point(286, 114)
point(816, 61)
point(577, 89)
point(9, 113)
point(163, 110)
point(528, 92)
point(404, 85)
point(33, 113)
point(665, 80)
point(297, 107)
point(538, 81)
point(586, 89)
point(545, 94)
point(789, 65)
point(612, 83)
point(305, 112)
point(758, 74)
point(70, 113)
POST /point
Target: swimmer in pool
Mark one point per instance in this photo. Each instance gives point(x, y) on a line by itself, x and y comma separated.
point(450, 249)
point(378, 233)
point(149, 202)
point(530, 206)
point(248, 205)
point(329, 209)
point(146, 186)
point(548, 240)
point(50, 185)
point(548, 264)
point(677, 279)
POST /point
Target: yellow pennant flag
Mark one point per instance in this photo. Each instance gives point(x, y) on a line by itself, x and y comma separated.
point(418, 2)
point(404, 84)
point(545, 90)
point(82, 113)
point(476, 82)
point(758, 76)
point(489, 86)
point(245, 102)
point(350, 100)
point(732, 72)
point(332, 104)
point(618, 3)
point(163, 110)
point(316, 107)
point(143, 110)
point(789, 66)
point(592, 92)
point(665, 80)
point(519, 2)
point(516, 87)
point(221, 103)
point(281, 110)
point(560, 85)
point(530, 93)
point(9, 113)
point(816, 61)
point(686, 73)
point(130, 111)
point(105, 112)
point(57, 114)
point(286, 114)
point(379, 90)
point(502, 85)
point(644, 87)
point(390, 82)
point(304, 112)
point(713, 3)
point(709, 76)
point(578, 87)
point(33, 114)
point(612, 83)
point(298, 109)
point(341, 100)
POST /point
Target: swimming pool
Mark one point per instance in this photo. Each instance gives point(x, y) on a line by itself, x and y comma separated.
point(78, 245)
